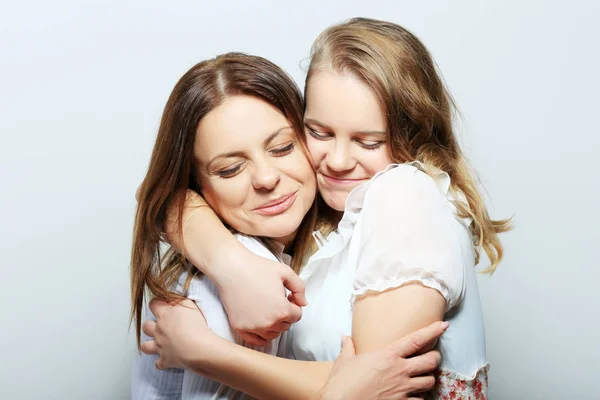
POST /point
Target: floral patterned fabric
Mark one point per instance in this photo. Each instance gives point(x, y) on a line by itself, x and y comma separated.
point(453, 386)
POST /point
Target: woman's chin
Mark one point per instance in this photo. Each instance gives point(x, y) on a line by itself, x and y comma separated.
point(282, 234)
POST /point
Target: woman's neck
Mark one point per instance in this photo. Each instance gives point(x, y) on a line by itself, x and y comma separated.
point(287, 242)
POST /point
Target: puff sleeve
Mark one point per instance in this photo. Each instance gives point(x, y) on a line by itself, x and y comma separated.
point(409, 232)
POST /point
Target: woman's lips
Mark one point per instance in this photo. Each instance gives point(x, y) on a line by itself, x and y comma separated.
point(277, 206)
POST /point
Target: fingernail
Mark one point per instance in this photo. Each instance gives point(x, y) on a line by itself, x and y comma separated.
point(444, 325)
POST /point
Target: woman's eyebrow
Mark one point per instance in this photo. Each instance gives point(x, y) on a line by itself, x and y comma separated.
point(274, 134)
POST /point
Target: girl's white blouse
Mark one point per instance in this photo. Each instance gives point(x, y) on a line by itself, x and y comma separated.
point(401, 226)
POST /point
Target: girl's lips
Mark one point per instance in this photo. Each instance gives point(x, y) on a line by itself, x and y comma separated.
point(341, 181)
point(279, 206)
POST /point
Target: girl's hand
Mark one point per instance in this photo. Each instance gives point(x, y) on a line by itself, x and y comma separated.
point(252, 288)
point(254, 297)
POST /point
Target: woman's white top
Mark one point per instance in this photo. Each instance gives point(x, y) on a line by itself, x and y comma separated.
point(399, 227)
point(149, 383)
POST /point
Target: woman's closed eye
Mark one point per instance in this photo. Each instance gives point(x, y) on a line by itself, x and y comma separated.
point(230, 171)
point(283, 150)
point(277, 151)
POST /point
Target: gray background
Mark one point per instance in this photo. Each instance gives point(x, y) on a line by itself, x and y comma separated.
point(82, 88)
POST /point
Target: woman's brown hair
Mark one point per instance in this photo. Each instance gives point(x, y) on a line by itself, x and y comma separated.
point(399, 69)
point(171, 171)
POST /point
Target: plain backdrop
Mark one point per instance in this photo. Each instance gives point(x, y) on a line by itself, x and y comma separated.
point(82, 87)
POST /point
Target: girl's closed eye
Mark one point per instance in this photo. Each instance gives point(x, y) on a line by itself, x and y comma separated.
point(317, 135)
point(368, 145)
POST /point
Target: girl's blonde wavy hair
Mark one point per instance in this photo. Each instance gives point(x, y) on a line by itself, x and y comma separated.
point(418, 108)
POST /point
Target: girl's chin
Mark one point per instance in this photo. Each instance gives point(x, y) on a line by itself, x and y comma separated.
point(336, 201)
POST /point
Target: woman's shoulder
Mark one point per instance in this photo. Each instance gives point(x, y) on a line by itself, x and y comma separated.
point(201, 282)
point(258, 247)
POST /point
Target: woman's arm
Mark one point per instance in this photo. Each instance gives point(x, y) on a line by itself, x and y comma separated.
point(368, 376)
point(252, 288)
point(182, 339)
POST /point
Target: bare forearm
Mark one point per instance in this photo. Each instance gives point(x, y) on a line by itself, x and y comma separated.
point(204, 236)
point(261, 375)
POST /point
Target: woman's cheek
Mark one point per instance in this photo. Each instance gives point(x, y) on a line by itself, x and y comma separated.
point(233, 191)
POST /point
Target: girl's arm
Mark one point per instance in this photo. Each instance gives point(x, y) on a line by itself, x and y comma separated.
point(395, 313)
point(182, 339)
point(252, 288)
point(411, 266)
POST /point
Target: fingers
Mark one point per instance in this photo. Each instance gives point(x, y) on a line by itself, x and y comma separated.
point(259, 338)
point(294, 313)
point(252, 339)
point(424, 363)
point(280, 327)
point(149, 347)
point(421, 384)
point(157, 305)
point(348, 349)
point(413, 342)
point(149, 328)
point(187, 303)
point(295, 285)
point(291, 298)
point(160, 364)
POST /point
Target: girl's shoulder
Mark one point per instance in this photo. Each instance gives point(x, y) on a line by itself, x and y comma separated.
point(405, 184)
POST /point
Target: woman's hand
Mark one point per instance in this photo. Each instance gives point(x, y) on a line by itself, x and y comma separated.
point(386, 373)
point(181, 333)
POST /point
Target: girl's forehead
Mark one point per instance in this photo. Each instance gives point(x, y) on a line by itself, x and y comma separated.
point(341, 101)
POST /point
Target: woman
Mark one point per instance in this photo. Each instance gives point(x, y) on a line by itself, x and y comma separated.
point(230, 131)
point(402, 222)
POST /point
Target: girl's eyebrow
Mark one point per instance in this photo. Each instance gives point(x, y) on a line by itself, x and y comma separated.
point(312, 121)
